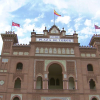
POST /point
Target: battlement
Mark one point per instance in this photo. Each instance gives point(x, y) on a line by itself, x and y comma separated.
point(95, 38)
point(87, 47)
point(9, 32)
point(20, 44)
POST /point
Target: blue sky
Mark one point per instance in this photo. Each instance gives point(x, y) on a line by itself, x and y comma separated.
point(78, 15)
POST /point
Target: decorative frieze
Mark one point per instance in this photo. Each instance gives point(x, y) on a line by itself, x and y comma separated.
point(21, 53)
point(6, 53)
point(3, 71)
point(55, 98)
point(54, 50)
point(87, 55)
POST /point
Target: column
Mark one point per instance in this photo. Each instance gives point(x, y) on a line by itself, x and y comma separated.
point(76, 84)
point(34, 84)
point(45, 84)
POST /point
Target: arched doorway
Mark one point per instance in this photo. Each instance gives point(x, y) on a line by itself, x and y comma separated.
point(55, 76)
point(16, 98)
point(71, 83)
point(39, 82)
point(94, 99)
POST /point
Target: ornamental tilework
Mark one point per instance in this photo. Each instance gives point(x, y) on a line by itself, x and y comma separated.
point(55, 98)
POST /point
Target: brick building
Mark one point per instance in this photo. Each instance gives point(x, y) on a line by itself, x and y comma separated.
point(53, 66)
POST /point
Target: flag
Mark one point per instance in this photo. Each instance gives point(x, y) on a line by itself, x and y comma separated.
point(96, 27)
point(15, 24)
point(56, 13)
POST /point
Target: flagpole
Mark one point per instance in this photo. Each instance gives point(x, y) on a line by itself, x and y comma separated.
point(11, 26)
point(95, 28)
point(54, 19)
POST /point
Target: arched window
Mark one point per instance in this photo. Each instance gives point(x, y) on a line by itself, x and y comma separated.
point(67, 51)
point(50, 50)
point(57, 82)
point(37, 50)
point(59, 51)
point(89, 67)
point(71, 83)
point(17, 83)
point(92, 84)
point(54, 50)
point(63, 50)
point(39, 82)
point(52, 81)
point(16, 98)
point(19, 66)
point(46, 50)
point(94, 99)
point(41, 50)
point(72, 51)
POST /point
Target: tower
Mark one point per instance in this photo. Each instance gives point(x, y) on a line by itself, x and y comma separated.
point(9, 38)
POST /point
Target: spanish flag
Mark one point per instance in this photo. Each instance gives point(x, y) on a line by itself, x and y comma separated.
point(56, 13)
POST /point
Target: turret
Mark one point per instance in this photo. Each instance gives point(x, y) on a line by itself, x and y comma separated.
point(9, 38)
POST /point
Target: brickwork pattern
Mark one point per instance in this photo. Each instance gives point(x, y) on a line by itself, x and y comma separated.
point(7, 46)
point(39, 67)
point(70, 67)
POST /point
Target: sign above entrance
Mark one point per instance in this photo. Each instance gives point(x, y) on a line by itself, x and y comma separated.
point(53, 40)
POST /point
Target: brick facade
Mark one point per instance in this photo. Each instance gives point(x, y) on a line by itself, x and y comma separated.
point(53, 66)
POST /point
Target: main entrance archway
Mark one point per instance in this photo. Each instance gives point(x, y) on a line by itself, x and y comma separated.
point(55, 76)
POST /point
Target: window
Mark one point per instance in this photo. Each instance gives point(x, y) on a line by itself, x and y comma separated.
point(63, 51)
point(46, 50)
point(52, 81)
point(39, 82)
point(41, 50)
point(71, 83)
point(54, 50)
point(37, 50)
point(92, 84)
point(17, 83)
point(57, 82)
point(50, 50)
point(19, 66)
point(16, 98)
point(67, 51)
point(89, 67)
point(59, 51)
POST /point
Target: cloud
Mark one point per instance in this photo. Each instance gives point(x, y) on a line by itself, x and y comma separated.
point(25, 40)
point(58, 3)
point(65, 19)
point(78, 22)
point(97, 15)
point(29, 25)
point(70, 31)
point(88, 22)
point(87, 30)
point(11, 5)
point(39, 17)
point(27, 21)
point(77, 6)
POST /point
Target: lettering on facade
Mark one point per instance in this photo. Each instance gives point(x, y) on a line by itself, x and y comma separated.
point(53, 40)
